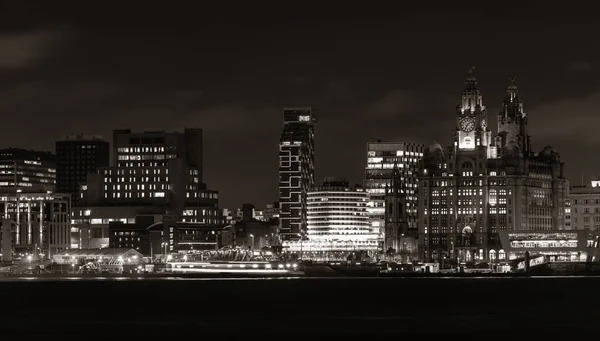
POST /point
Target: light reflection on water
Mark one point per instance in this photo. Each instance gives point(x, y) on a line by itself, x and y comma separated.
point(59, 279)
point(176, 278)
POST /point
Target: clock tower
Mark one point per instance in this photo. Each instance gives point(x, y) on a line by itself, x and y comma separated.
point(471, 118)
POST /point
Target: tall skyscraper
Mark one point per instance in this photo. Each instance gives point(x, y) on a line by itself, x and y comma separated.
point(296, 170)
point(27, 171)
point(381, 158)
point(479, 191)
point(76, 157)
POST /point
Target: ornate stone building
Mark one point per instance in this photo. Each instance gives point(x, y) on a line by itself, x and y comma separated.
point(480, 186)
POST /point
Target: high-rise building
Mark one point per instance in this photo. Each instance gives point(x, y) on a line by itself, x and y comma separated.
point(153, 173)
point(296, 170)
point(27, 171)
point(76, 157)
point(475, 194)
point(381, 158)
point(338, 221)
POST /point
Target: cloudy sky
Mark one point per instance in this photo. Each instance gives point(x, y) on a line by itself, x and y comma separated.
point(392, 73)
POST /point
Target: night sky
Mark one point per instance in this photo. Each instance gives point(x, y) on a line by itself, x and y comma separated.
point(394, 73)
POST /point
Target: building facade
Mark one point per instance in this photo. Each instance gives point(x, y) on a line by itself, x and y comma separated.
point(585, 206)
point(338, 221)
point(40, 224)
point(153, 173)
point(296, 170)
point(381, 158)
point(27, 171)
point(481, 185)
point(76, 157)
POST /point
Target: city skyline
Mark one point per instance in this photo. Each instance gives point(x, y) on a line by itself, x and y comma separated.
point(358, 77)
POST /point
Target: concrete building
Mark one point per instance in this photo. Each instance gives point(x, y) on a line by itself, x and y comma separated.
point(76, 157)
point(296, 170)
point(481, 186)
point(27, 171)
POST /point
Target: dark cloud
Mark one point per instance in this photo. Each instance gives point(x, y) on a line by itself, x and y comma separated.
point(369, 73)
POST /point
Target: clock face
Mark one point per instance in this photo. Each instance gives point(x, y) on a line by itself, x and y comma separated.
point(467, 124)
point(484, 123)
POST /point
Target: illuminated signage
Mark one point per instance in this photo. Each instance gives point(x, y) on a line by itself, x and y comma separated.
point(543, 244)
point(304, 118)
point(541, 236)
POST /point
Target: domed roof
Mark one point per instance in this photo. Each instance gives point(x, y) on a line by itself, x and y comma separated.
point(548, 150)
point(435, 146)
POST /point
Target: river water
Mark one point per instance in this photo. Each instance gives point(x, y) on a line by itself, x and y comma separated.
point(289, 307)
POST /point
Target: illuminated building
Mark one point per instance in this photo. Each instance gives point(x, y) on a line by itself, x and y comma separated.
point(381, 158)
point(338, 221)
point(76, 157)
point(397, 239)
point(481, 186)
point(27, 171)
point(296, 170)
point(153, 173)
point(554, 246)
point(585, 206)
point(105, 255)
point(568, 219)
point(40, 223)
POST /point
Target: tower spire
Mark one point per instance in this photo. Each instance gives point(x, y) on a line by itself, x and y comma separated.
point(471, 82)
point(512, 88)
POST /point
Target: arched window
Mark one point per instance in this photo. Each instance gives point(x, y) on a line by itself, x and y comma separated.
point(435, 193)
point(492, 255)
point(501, 255)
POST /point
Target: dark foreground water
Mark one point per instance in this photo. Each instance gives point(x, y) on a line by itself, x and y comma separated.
point(322, 308)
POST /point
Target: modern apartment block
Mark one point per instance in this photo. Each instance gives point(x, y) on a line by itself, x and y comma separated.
point(296, 170)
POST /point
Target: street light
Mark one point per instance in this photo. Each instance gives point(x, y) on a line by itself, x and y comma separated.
point(252, 244)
